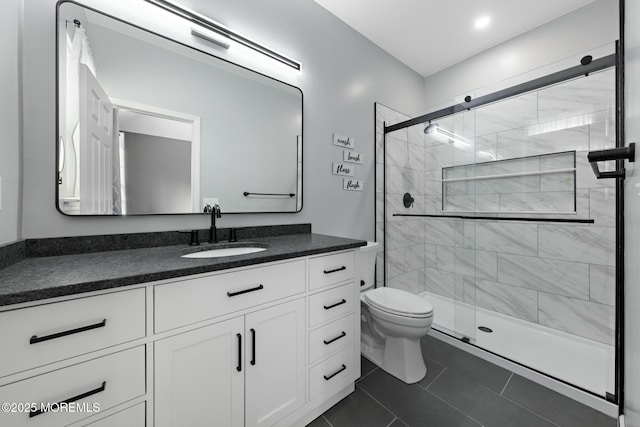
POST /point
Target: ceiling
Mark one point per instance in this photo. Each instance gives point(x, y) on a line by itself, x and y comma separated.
point(430, 35)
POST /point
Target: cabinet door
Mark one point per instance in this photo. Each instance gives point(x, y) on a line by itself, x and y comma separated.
point(275, 377)
point(130, 417)
point(199, 377)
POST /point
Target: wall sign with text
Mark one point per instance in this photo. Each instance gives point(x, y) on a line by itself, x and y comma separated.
point(342, 169)
point(344, 141)
point(352, 184)
point(352, 157)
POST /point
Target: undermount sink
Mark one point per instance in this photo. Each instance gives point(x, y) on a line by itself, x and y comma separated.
point(223, 252)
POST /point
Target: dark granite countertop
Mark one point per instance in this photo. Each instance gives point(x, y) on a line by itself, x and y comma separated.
point(39, 278)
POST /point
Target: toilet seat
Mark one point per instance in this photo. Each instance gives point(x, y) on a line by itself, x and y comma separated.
point(398, 302)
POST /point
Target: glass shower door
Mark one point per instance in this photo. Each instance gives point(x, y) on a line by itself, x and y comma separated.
point(495, 217)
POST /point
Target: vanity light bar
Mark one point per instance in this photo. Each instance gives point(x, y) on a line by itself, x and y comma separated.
point(199, 33)
point(212, 25)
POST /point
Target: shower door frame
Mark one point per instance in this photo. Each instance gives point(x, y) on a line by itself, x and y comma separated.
point(586, 67)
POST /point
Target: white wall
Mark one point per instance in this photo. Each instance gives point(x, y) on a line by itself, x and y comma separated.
point(343, 74)
point(10, 120)
point(632, 217)
point(569, 36)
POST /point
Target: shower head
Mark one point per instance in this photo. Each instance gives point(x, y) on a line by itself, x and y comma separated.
point(444, 135)
point(431, 128)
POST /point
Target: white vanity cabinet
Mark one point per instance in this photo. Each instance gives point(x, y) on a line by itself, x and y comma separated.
point(199, 377)
point(275, 363)
point(134, 416)
point(334, 335)
point(47, 333)
point(246, 371)
point(273, 344)
point(84, 353)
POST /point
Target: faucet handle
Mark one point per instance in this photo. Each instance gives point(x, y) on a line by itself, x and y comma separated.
point(207, 208)
point(194, 238)
point(193, 235)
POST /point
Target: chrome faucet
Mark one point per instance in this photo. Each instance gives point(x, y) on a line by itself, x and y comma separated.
point(215, 212)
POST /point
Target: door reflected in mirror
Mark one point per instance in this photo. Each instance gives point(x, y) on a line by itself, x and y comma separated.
point(147, 125)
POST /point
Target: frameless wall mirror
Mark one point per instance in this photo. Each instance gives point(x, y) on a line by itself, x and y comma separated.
point(147, 125)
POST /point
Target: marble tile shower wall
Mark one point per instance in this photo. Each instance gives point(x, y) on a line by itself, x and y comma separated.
point(384, 114)
point(557, 275)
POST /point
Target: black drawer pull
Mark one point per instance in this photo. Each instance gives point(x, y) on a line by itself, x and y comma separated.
point(253, 347)
point(329, 307)
point(336, 270)
point(36, 339)
point(239, 367)
point(233, 294)
point(342, 335)
point(70, 400)
point(335, 373)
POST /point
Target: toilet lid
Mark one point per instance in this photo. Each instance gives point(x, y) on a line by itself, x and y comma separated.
point(398, 301)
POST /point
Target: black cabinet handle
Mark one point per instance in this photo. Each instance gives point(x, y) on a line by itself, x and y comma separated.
point(336, 270)
point(36, 339)
point(233, 294)
point(329, 307)
point(342, 335)
point(71, 399)
point(335, 373)
point(253, 347)
point(239, 367)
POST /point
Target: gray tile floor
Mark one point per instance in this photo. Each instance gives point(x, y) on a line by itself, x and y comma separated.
point(459, 390)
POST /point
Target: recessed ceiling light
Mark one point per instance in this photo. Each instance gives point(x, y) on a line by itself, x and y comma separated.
point(482, 22)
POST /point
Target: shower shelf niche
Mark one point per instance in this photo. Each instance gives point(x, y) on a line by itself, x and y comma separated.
point(539, 184)
point(509, 175)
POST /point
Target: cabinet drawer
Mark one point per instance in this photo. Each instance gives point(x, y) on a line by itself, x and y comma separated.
point(330, 269)
point(330, 338)
point(331, 304)
point(48, 333)
point(182, 303)
point(338, 369)
point(106, 382)
point(130, 417)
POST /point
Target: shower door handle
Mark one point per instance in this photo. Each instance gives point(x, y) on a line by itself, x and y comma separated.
point(623, 153)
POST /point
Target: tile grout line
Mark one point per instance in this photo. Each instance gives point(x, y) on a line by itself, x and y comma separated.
point(530, 411)
point(378, 402)
point(453, 407)
point(505, 386)
point(366, 375)
point(434, 380)
point(328, 422)
point(392, 421)
point(499, 395)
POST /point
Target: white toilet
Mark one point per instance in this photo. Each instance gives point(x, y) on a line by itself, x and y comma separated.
point(393, 321)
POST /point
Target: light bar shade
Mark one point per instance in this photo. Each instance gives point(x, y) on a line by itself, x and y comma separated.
point(200, 33)
point(214, 26)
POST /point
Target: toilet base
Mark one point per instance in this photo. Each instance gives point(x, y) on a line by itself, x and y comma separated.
point(403, 359)
point(372, 350)
point(400, 357)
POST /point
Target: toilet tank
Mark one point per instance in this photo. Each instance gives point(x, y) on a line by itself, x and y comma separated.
point(366, 265)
